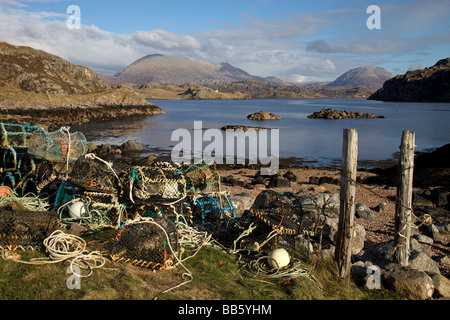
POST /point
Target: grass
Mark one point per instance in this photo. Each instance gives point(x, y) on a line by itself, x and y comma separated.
point(216, 275)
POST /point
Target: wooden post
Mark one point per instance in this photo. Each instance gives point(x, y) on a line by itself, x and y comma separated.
point(403, 209)
point(347, 203)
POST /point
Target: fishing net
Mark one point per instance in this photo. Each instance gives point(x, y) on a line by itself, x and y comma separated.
point(13, 135)
point(152, 184)
point(23, 230)
point(149, 243)
point(60, 146)
point(201, 177)
point(213, 208)
point(172, 212)
point(94, 174)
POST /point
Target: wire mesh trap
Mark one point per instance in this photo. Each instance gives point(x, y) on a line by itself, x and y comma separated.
point(93, 174)
point(59, 146)
point(212, 207)
point(16, 136)
point(201, 177)
point(25, 230)
point(150, 184)
point(149, 243)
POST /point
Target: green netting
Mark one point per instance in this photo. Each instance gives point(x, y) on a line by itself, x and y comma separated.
point(14, 135)
point(60, 146)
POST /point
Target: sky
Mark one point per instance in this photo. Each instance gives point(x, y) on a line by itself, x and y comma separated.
point(291, 39)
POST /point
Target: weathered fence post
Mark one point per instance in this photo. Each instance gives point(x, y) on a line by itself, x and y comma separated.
point(403, 210)
point(347, 203)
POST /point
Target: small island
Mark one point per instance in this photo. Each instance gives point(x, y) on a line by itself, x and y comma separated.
point(262, 115)
point(243, 128)
point(332, 114)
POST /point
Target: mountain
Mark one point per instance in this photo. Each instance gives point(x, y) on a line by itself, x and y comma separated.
point(427, 85)
point(166, 69)
point(372, 78)
point(41, 72)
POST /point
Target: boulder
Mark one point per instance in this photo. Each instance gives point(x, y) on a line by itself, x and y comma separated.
point(363, 212)
point(279, 182)
point(441, 285)
point(290, 176)
point(242, 203)
point(411, 283)
point(419, 201)
point(330, 229)
point(332, 205)
point(131, 146)
point(421, 261)
point(262, 116)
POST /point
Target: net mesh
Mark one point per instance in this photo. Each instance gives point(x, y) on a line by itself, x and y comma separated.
point(149, 243)
point(14, 135)
point(201, 177)
point(213, 208)
point(150, 184)
point(60, 146)
point(23, 230)
point(94, 175)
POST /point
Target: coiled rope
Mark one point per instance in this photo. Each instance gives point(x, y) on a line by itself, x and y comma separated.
point(62, 247)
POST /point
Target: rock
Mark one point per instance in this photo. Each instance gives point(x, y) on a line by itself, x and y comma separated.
point(278, 182)
point(91, 147)
point(441, 198)
point(421, 261)
point(379, 254)
point(242, 203)
point(242, 128)
point(419, 201)
point(304, 243)
point(332, 205)
point(131, 146)
point(423, 239)
point(359, 269)
point(363, 212)
point(290, 176)
point(262, 116)
point(439, 232)
point(431, 84)
point(331, 114)
point(328, 180)
point(314, 180)
point(330, 229)
point(411, 283)
point(441, 285)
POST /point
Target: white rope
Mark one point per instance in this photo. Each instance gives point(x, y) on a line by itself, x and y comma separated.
point(108, 164)
point(29, 202)
point(62, 247)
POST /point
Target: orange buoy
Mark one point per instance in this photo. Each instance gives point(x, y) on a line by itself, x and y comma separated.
point(5, 191)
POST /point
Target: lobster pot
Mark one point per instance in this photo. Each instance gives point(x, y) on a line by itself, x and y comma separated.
point(22, 230)
point(29, 187)
point(26, 165)
point(104, 210)
point(148, 243)
point(12, 157)
point(59, 146)
point(201, 177)
point(94, 175)
point(16, 136)
point(213, 209)
point(173, 212)
point(150, 184)
point(11, 180)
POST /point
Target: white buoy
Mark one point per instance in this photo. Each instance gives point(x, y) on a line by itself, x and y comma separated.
point(77, 210)
point(278, 258)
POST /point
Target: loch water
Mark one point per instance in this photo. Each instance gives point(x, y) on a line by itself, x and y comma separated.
point(314, 142)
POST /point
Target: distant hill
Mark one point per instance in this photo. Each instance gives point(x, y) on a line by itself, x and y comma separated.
point(430, 84)
point(166, 69)
point(41, 72)
point(371, 78)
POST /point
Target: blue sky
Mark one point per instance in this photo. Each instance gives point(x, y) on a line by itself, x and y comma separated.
point(292, 39)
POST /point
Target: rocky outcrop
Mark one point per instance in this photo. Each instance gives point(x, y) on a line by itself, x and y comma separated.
point(429, 84)
point(332, 114)
point(40, 72)
point(262, 116)
point(243, 128)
